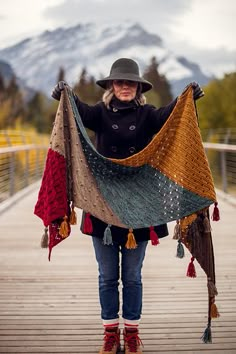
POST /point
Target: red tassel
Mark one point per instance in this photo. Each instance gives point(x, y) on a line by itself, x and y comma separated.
point(88, 226)
point(153, 236)
point(216, 213)
point(191, 272)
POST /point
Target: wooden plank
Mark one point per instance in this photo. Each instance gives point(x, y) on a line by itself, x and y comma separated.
point(53, 307)
point(149, 348)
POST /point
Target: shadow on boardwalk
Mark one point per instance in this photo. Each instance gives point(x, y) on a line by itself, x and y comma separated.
point(52, 307)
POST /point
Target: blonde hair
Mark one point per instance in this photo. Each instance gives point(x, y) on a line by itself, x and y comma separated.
point(140, 99)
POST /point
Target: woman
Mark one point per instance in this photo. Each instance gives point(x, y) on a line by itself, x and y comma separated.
point(124, 124)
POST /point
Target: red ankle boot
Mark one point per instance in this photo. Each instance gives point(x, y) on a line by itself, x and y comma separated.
point(111, 343)
point(132, 341)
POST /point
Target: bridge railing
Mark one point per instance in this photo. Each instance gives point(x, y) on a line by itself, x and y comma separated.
point(23, 164)
point(22, 159)
point(222, 159)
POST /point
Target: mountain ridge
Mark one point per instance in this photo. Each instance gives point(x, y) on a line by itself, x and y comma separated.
point(37, 60)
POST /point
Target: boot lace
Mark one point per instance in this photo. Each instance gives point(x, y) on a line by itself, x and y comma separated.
point(110, 339)
point(133, 341)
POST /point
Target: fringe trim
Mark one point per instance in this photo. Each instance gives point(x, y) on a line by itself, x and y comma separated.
point(64, 228)
point(191, 271)
point(216, 213)
point(88, 225)
point(44, 239)
point(206, 224)
point(180, 249)
point(212, 291)
point(153, 236)
point(107, 238)
point(207, 336)
point(131, 242)
point(214, 313)
point(177, 231)
point(73, 216)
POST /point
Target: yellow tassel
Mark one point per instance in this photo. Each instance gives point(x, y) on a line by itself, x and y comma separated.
point(73, 217)
point(214, 311)
point(64, 228)
point(131, 242)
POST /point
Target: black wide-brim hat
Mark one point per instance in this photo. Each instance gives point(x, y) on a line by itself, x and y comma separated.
point(125, 69)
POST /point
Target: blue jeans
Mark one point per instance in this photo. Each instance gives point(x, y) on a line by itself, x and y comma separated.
point(108, 258)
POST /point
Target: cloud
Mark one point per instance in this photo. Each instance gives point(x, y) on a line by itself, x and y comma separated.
point(218, 61)
point(155, 15)
point(209, 24)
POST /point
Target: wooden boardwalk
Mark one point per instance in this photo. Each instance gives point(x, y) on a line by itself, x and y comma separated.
point(52, 307)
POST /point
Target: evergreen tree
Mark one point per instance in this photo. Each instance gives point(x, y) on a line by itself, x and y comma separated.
point(2, 85)
point(161, 86)
point(37, 113)
point(2, 89)
point(95, 91)
point(86, 88)
point(80, 86)
point(17, 106)
point(12, 88)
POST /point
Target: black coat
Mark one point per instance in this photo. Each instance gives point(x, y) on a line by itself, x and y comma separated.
point(121, 131)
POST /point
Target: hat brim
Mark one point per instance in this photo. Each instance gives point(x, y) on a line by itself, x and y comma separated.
point(146, 85)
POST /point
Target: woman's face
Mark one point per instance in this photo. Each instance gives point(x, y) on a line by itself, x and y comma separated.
point(125, 90)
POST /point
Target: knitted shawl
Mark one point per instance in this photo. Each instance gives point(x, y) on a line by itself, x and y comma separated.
point(168, 180)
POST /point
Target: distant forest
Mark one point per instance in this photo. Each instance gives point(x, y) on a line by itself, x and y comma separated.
point(216, 110)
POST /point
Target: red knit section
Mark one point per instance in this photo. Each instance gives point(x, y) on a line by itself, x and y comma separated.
point(52, 199)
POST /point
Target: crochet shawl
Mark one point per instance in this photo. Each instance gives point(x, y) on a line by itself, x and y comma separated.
point(168, 180)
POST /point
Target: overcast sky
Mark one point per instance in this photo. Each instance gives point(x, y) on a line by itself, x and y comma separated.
point(202, 30)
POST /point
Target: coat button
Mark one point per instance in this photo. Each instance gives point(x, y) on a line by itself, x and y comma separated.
point(132, 149)
point(115, 126)
point(114, 148)
point(115, 109)
point(132, 127)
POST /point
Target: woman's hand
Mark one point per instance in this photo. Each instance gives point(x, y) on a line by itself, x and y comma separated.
point(56, 92)
point(197, 90)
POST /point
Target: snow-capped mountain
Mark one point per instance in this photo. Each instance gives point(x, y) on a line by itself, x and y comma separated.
point(37, 60)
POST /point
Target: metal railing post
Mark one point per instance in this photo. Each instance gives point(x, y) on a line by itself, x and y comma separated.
point(18, 169)
point(26, 168)
point(223, 163)
point(223, 171)
point(224, 149)
point(12, 174)
point(37, 174)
